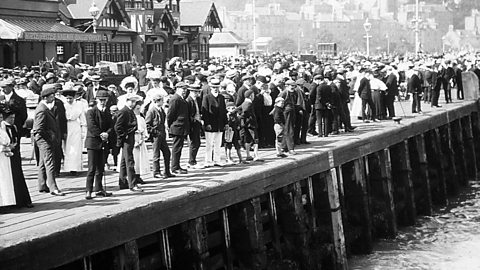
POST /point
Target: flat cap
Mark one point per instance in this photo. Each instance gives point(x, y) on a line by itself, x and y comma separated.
point(181, 85)
point(48, 89)
point(194, 87)
point(291, 82)
point(103, 94)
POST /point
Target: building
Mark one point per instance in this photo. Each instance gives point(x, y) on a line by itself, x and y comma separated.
point(155, 26)
point(112, 23)
point(226, 44)
point(29, 35)
point(198, 19)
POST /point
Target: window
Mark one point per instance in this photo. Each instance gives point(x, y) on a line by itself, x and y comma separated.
point(60, 50)
point(89, 48)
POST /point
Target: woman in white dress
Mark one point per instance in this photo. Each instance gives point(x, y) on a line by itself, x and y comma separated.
point(7, 191)
point(140, 153)
point(76, 122)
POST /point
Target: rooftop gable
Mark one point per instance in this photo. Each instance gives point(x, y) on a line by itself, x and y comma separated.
point(197, 13)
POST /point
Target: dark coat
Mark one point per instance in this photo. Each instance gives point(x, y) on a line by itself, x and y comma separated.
point(60, 115)
point(90, 97)
point(126, 125)
point(323, 96)
point(155, 120)
point(192, 109)
point(247, 116)
point(19, 107)
point(45, 126)
point(364, 90)
point(414, 85)
point(240, 95)
point(177, 118)
point(392, 85)
point(214, 113)
point(97, 123)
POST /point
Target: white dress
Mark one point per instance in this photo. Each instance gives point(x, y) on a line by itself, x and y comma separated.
point(75, 114)
point(7, 191)
point(140, 153)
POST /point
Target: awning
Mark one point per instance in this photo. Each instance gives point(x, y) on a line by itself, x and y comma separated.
point(43, 30)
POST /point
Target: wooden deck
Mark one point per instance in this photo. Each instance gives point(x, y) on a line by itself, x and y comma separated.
point(61, 229)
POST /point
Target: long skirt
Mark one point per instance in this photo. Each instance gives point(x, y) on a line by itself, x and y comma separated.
point(7, 188)
point(73, 149)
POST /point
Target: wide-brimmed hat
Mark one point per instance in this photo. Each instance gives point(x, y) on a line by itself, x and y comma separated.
point(133, 97)
point(8, 81)
point(48, 89)
point(96, 78)
point(68, 92)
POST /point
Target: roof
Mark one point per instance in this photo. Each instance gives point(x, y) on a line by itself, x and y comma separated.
point(41, 29)
point(228, 37)
point(196, 13)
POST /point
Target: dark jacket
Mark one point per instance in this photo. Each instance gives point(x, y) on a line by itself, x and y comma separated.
point(214, 113)
point(414, 85)
point(155, 120)
point(392, 85)
point(364, 90)
point(177, 118)
point(126, 125)
point(247, 116)
point(61, 118)
point(192, 109)
point(90, 97)
point(45, 126)
point(18, 106)
point(324, 93)
point(97, 123)
point(278, 115)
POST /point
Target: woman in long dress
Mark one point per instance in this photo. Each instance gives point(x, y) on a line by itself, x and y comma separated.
point(140, 153)
point(76, 122)
point(13, 189)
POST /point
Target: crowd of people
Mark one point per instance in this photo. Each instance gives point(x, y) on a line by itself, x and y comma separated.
point(245, 103)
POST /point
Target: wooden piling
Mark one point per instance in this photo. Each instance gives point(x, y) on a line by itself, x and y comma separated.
point(449, 158)
point(125, 257)
point(469, 145)
point(475, 121)
point(387, 186)
point(403, 185)
point(459, 150)
point(165, 249)
point(253, 217)
point(337, 223)
point(227, 240)
point(366, 237)
point(198, 235)
point(436, 167)
point(272, 207)
point(424, 203)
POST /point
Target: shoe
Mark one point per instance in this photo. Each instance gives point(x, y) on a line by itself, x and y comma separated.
point(217, 165)
point(88, 195)
point(103, 193)
point(314, 133)
point(376, 120)
point(243, 162)
point(136, 189)
point(249, 158)
point(140, 181)
point(366, 121)
point(257, 159)
point(305, 142)
point(44, 190)
point(282, 155)
point(30, 205)
point(180, 171)
point(352, 127)
point(57, 193)
point(157, 175)
point(191, 166)
point(291, 152)
point(229, 162)
point(168, 175)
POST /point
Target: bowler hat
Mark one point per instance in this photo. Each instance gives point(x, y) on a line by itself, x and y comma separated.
point(102, 94)
point(48, 89)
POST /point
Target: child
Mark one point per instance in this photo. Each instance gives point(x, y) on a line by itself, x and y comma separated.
point(279, 126)
point(232, 134)
point(112, 140)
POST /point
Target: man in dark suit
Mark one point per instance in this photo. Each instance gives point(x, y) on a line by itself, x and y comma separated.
point(458, 79)
point(125, 128)
point(365, 93)
point(178, 122)
point(93, 86)
point(99, 125)
point(414, 86)
point(323, 97)
point(155, 120)
point(46, 138)
point(317, 79)
point(194, 112)
point(58, 110)
point(15, 103)
point(391, 93)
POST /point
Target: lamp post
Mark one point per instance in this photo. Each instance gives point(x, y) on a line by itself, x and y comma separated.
point(93, 10)
point(388, 44)
point(417, 29)
point(367, 26)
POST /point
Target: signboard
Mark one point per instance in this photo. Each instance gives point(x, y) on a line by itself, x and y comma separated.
point(71, 37)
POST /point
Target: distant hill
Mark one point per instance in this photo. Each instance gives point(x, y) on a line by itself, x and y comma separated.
point(290, 5)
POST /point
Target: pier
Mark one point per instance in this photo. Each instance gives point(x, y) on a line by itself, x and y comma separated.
point(311, 210)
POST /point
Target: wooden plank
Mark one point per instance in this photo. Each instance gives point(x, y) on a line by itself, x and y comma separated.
point(337, 222)
point(437, 162)
point(198, 236)
point(165, 249)
point(367, 240)
point(475, 120)
point(227, 240)
point(255, 232)
point(387, 184)
point(272, 207)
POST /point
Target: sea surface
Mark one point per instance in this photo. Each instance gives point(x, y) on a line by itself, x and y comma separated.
point(450, 240)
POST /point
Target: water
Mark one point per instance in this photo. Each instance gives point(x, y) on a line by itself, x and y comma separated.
point(450, 239)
